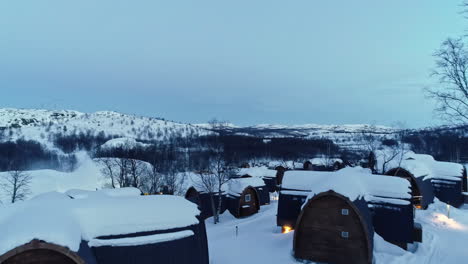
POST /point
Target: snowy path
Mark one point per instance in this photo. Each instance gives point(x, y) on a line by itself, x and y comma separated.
point(260, 241)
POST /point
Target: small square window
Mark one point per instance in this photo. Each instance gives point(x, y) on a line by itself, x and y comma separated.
point(344, 211)
point(247, 198)
point(344, 234)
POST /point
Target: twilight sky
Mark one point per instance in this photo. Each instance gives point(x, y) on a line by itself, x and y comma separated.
point(263, 61)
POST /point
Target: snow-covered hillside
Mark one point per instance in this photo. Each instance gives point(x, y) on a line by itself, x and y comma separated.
point(40, 125)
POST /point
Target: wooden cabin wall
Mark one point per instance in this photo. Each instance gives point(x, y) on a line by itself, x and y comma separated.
point(263, 195)
point(270, 184)
point(251, 207)
point(330, 229)
point(395, 223)
point(449, 192)
point(189, 250)
point(289, 208)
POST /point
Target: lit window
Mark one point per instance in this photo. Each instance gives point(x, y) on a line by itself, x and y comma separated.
point(344, 234)
point(344, 211)
point(247, 198)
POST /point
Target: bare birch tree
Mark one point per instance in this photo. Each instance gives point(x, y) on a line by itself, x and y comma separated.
point(16, 185)
point(451, 95)
point(107, 169)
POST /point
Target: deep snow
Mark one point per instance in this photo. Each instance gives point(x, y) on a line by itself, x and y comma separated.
point(260, 241)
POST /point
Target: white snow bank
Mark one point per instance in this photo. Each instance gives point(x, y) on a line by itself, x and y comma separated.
point(237, 186)
point(257, 172)
point(353, 183)
point(123, 143)
point(87, 176)
point(56, 218)
point(142, 240)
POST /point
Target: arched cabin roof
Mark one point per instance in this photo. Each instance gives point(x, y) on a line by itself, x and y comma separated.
point(65, 221)
point(420, 186)
point(42, 249)
point(354, 183)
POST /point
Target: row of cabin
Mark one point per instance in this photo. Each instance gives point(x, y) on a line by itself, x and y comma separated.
point(117, 226)
point(316, 164)
point(429, 178)
point(242, 196)
point(335, 214)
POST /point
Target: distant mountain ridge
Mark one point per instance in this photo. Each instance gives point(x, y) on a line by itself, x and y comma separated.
point(40, 124)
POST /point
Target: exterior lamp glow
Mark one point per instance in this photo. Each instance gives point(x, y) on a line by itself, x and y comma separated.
point(286, 229)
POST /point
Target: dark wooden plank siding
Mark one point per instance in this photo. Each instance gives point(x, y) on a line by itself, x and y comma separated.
point(320, 232)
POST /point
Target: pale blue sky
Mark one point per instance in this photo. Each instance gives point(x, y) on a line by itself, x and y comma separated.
point(245, 61)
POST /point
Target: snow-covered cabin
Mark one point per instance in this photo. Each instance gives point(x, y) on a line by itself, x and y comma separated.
point(429, 178)
point(102, 227)
point(351, 198)
point(323, 164)
point(246, 195)
point(447, 178)
point(268, 176)
point(415, 171)
point(196, 192)
point(281, 167)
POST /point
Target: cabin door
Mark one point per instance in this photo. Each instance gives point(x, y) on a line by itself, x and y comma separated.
point(248, 202)
point(330, 231)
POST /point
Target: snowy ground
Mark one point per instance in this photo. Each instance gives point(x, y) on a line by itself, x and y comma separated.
point(260, 241)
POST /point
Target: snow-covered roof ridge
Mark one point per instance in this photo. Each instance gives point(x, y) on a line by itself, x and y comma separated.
point(237, 185)
point(262, 171)
point(64, 221)
point(286, 164)
point(353, 183)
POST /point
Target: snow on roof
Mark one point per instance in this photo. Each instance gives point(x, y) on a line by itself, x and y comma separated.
point(353, 183)
point(257, 172)
point(238, 185)
point(287, 164)
point(448, 170)
point(56, 218)
point(325, 161)
point(124, 143)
